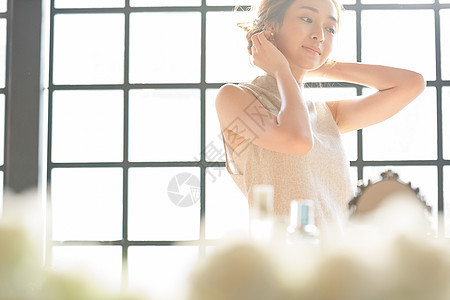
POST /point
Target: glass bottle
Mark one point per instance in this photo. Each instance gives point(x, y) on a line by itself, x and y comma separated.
point(302, 229)
point(261, 214)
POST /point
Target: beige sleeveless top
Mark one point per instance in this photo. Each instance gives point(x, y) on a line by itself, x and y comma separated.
point(321, 175)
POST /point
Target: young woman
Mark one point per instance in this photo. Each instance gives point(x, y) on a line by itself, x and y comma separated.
point(273, 135)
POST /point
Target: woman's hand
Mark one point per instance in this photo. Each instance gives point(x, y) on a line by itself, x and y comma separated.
point(267, 56)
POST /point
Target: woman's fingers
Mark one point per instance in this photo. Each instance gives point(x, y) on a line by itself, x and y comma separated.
point(256, 42)
point(269, 37)
point(259, 41)
point(265, 55)
point(262, 38)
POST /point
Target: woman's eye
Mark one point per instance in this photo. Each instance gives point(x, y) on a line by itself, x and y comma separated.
point(331, 30)
point(306, 19)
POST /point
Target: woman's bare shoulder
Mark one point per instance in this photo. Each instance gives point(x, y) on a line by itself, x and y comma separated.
point(232, 91)
point(233, 106)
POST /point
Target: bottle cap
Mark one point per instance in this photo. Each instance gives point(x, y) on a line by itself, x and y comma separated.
point(302, 213)
point(307, 212)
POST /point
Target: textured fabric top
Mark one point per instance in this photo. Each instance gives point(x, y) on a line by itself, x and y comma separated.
point(321, 175)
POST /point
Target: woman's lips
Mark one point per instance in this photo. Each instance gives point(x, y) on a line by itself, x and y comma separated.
point(313, 50)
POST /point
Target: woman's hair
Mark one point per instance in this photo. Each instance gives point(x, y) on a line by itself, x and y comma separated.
point(270, 12)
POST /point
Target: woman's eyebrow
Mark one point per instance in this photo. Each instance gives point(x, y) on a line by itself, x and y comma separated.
point(316, 11)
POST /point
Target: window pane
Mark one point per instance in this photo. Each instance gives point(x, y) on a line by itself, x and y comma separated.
point(226, 205)
point(87, 126)
point(388, 42)
point(424, 178)
point(214, 150)
point(165, 2)
point(164, 125)
point(350, 140)
point(396, 1)
point(2, 128)
point(161, 272)
point(409, 135)
point(100, 265)
point(345, 49)
point(445, 43)
point(3, 5)
point(87, 204)
point(2, 52)
point(229, 2)
point(225, 63)
point(447, 200)
point(446, 121)
point(88, 49)
point(88, 3)
point(164, 204)
point(162, 52)
point(252, 2)
point(354, 178)
point(327, 94)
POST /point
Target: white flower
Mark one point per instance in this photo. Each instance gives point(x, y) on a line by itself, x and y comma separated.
point(238, 271)
point(419, 269)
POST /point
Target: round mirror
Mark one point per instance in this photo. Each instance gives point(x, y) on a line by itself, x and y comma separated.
point(372, 195)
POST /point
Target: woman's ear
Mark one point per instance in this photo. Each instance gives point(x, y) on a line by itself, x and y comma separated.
point(272, 28)
point(271, 32)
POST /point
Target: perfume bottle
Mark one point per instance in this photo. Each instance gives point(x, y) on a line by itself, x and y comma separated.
point(302, 229)
point(261, 214)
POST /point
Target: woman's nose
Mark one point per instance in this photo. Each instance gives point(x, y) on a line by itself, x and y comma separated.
point(318, 34)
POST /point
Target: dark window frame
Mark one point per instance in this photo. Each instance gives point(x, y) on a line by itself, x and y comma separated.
point(4, 90)
point(23, 105)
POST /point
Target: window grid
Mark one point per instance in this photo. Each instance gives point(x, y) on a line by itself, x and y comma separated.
point(4, 91)
point(360, 163)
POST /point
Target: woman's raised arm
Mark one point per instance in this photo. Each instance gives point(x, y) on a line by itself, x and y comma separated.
point(396, 89)
point(289, 131)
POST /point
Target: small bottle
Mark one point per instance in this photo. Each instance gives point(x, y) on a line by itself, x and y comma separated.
point(261, 214)
point(302, 229)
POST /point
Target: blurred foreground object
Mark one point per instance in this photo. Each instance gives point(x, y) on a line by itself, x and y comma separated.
point(386, 253)
point(22, 274)
point(397, 263)
point(262, 219)
point(302, 228)
point(237, 270)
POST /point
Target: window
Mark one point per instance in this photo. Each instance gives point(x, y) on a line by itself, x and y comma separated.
point(3, 91)
point(135, 156)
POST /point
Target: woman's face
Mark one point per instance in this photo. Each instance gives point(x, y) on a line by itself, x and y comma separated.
point(307, 34)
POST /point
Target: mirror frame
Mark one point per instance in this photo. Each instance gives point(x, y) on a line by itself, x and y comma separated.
point(387, 175)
